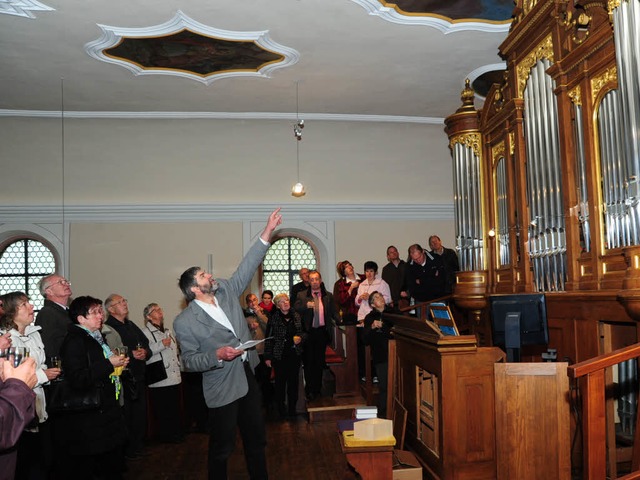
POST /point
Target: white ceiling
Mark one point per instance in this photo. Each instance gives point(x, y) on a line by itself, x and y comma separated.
point(351, 62)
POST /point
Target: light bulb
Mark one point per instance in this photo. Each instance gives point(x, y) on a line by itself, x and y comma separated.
point(298, 190)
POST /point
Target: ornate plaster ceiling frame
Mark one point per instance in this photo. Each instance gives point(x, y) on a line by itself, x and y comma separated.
point(111, 36)
point(444, 24)
point(23, 8)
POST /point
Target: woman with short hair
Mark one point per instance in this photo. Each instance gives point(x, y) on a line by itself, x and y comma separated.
point(94, 438)
point(282, 352)
point(165, 394)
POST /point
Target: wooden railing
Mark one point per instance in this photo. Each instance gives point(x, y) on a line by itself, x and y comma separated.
point(593, 386)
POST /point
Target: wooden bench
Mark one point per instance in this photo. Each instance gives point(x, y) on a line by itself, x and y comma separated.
point(342, 359)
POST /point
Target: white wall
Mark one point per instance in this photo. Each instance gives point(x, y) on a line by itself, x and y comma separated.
point(146, 199)
point(115, 161)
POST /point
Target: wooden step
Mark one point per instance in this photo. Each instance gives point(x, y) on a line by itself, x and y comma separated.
point(332, 409)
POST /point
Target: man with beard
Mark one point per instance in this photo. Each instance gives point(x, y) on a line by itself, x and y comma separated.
point(209, 330)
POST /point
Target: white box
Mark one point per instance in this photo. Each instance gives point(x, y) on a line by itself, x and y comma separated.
point(373, 429)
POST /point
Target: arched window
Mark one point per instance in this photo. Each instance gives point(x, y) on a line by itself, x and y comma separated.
point(283, 260)
point(23, 263)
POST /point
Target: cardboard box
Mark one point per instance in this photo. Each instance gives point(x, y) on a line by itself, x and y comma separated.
point(406, 466)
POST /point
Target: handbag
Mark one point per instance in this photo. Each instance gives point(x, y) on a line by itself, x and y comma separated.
point(62, 397)
point(155, 372)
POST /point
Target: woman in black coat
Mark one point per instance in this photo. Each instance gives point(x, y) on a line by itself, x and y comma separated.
point(94, 439)
point(282, 352)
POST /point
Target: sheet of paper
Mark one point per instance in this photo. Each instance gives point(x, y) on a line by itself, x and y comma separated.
point(250, 344)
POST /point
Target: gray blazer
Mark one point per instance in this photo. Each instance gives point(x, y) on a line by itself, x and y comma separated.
point(200, 336)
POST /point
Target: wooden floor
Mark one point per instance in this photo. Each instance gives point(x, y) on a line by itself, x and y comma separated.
point(295, 450)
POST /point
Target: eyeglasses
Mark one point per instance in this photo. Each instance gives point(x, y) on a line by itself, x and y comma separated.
point(62, 281)
point(96, 311)
point(124, 300)
point(153, 310)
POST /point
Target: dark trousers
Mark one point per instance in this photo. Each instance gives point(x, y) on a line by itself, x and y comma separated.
point(31, 462)
point(165, 402)
point(314, 360)
point(287, 374)
point(244, 414)
point(263, 377)
point(100, 466)
point(135, 417)
point(382, 370)
point(196, 409)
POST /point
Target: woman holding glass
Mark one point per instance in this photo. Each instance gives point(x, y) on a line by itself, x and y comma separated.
point(282, 352)
point(35, 445)
point(165, 394)
point(94, 438)
point(345, 290)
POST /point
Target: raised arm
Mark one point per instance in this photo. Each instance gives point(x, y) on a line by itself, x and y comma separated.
point(274, 220)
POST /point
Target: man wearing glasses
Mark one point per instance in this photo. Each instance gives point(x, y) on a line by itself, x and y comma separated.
point(135, 393)
point(54, 317)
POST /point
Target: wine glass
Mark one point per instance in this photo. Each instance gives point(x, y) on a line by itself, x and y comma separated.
point(123, 352)
point(18, 356)
point(55, 362)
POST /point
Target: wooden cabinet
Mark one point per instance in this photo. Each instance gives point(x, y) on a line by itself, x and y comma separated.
point(447, 386)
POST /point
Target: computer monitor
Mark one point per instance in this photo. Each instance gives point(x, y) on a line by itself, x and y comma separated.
point(518, 320)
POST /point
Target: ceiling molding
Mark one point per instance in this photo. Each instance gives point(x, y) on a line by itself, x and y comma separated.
point(481, 71)
point(23, 8)
point(111, 36)
point(332, 117)
point(220, 212)
point(446, 26)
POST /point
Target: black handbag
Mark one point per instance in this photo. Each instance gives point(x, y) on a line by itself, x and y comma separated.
point(62, 397)
point(155, 372)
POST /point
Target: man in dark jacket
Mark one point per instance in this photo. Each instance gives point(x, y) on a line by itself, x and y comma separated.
point(319, 315)
point(54, 317)
point(135, 398)
point(449, 260)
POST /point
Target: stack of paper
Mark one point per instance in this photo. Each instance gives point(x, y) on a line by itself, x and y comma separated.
point(366, 412)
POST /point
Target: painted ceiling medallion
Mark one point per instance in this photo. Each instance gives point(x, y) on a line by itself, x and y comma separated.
point(448, 17)
point(185, 48)
point(23, 8)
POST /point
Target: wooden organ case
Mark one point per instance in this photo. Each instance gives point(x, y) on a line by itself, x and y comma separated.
point(547, 181)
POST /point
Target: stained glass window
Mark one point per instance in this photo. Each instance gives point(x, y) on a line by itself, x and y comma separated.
point(284, 259)
point(22, 264)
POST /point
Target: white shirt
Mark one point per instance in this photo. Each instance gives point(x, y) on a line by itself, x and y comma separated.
point(215, 312)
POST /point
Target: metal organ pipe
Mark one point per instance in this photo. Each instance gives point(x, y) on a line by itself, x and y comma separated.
point(581, 167)
point(504, 253)
point(468, 207)
point(547, 238)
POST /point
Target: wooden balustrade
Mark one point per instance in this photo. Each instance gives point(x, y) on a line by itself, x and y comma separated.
point(594, 428)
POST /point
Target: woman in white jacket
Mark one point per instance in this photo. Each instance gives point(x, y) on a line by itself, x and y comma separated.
point(165, 394)
point(35, 445)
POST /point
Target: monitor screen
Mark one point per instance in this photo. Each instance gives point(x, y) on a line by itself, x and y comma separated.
point(518, 320)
